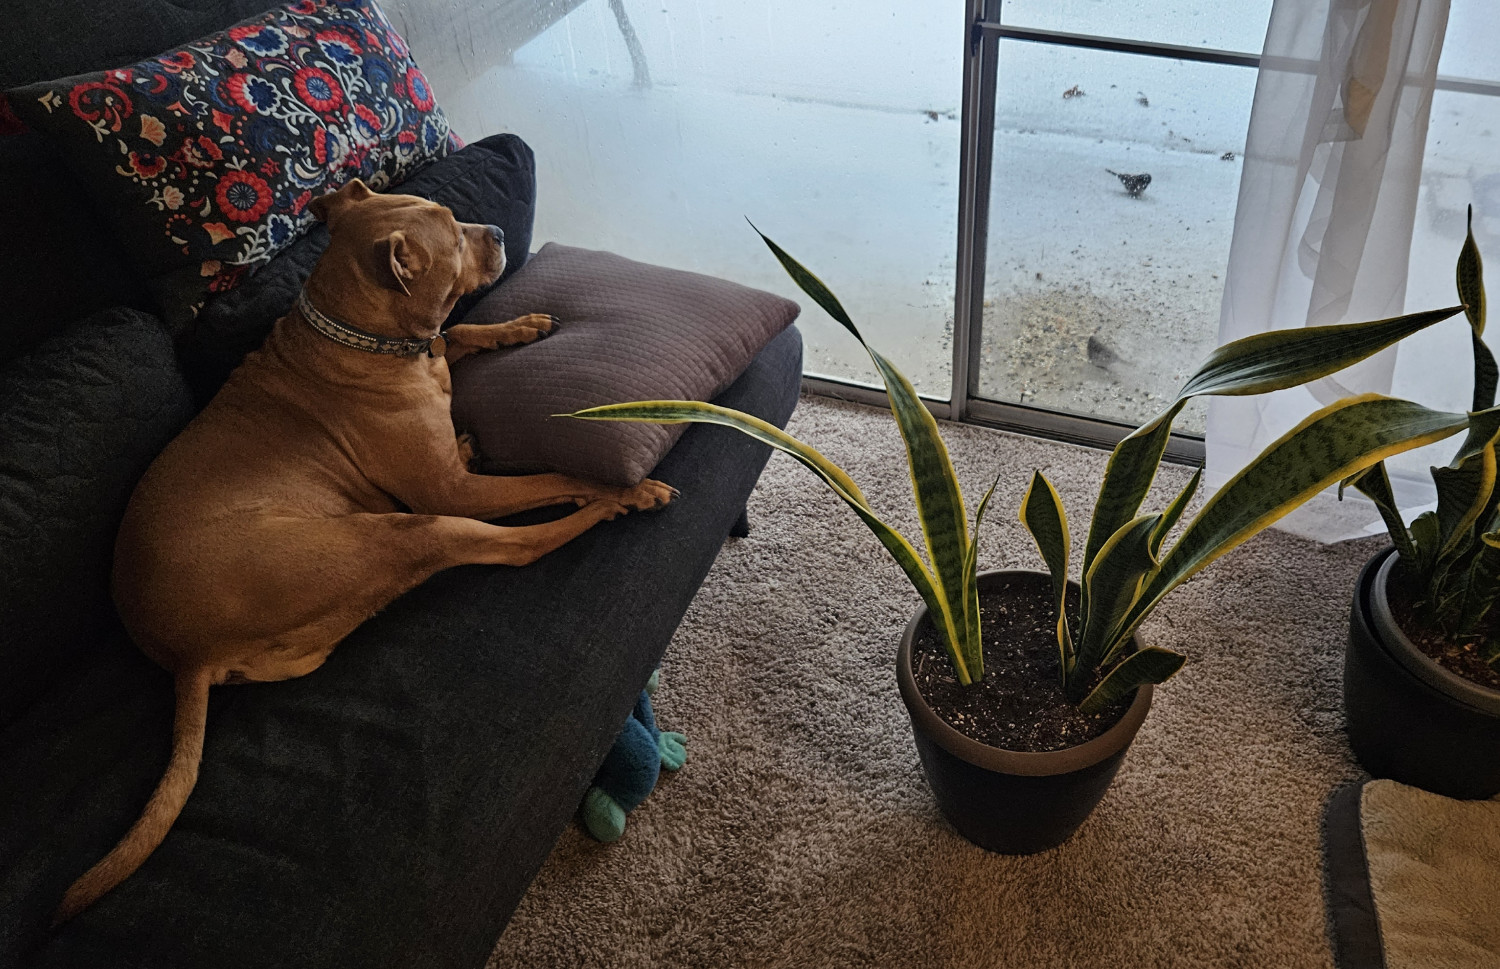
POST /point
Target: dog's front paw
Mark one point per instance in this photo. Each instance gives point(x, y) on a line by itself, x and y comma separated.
point(606, 509)
point(648, 495)
point(530, 328)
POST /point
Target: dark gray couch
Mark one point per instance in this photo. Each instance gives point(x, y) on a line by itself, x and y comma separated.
point(387, 810)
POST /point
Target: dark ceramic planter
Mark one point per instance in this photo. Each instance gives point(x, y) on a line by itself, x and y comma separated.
point(1410, 719)
point(1007, 801)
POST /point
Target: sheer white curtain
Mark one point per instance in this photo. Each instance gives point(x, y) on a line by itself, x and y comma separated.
point(1328, 196)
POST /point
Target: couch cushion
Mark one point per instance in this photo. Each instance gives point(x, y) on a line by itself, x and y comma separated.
point(83, 414)
point(59, 263)
point(630, 331)
point(492, 181)
point(390, 808)
point(203, 158)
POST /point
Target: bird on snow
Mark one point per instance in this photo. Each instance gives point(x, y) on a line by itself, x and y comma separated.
point(1134, 184)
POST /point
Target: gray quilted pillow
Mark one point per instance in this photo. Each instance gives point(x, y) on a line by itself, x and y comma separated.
point(629, 332)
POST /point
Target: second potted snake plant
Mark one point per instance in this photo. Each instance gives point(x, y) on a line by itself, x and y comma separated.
point(1074, 678)
point(1422, 670)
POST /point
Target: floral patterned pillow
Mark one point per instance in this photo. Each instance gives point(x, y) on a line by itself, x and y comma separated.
point(204, 158)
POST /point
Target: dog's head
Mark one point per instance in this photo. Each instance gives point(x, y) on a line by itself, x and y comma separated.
point(396, 264)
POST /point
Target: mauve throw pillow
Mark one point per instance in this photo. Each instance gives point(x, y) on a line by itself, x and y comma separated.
point(629, 331)
point(203, 159)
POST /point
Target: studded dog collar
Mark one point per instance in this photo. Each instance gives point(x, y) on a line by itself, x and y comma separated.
point(352, 336)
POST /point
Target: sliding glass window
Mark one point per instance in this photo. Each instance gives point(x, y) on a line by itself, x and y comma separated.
point(1027, 204)
point(661, 126)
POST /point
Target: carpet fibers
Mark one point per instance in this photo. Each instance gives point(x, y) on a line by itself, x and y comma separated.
point(801, 832)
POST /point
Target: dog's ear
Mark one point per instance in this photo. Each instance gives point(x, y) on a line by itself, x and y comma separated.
point(353, 191)
point(403, 258)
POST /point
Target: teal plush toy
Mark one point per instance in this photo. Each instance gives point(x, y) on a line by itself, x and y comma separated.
point(631, 768)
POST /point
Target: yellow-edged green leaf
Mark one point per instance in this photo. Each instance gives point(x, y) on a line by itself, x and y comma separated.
point(698, 412)
point(971, 583)
point(940, 504)
point(1044, 517)
point(811, 285)
point(1470, 274)
point(1484, 431)
point(1330, 445)
point(1375, 484)
point(1486, 374)
point(1173, 514)
point(1481, 584)
point(1463, 492)
point(1278, 359)
point(1128, 476)
point(1254, 364)
point(1470, 278)
point(1152, 664)
point(1426, 536)
point(1466, 487)
point(688, 411)
point(1113, 583)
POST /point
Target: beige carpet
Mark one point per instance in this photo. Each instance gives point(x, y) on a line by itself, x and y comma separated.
point(801, 832)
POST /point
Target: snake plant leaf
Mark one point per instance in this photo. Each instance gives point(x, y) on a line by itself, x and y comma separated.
point(971, 575)
point(689, 411)
point(698, 412)
point(1481, 585)
point(940, 503)
point(1330, 445)
point(1113, 583)
point(1486, 374)
point(1375, 484)
point(1426, 536)
point(1150, 664)
point(1255, 364)
point(1173, 514)
point(1463, 492)
point(1466, 487)
point(1278, 359)
point(811, 285)
point(1470, 278)
point(1128, 476)
point(1044, 517)
point(1470, 274)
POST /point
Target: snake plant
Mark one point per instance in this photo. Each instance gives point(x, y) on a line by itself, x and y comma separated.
point(1125, 571)
point(1452, 555)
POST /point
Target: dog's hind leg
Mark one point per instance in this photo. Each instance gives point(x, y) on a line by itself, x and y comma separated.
point(341, 571)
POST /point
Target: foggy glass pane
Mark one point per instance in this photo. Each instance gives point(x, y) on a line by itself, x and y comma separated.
point(1185, 23)
point(1112, 205)
point(660, 126)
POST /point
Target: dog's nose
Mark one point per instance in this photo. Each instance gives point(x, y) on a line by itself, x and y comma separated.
point(498, 234)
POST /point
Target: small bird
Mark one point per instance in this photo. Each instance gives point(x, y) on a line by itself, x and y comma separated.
point(1134, 184)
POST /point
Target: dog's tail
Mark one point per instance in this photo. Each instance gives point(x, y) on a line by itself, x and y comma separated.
point(165, 805)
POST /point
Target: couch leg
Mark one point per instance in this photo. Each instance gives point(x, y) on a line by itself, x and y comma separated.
point(741, 526)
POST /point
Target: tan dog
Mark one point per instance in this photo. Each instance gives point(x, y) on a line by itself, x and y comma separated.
point(278, 521)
